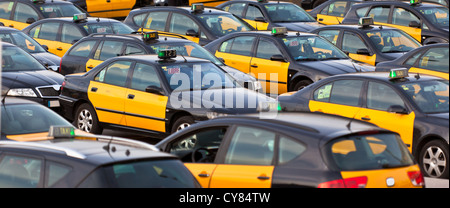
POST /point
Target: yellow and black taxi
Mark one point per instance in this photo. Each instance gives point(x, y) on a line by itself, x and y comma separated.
point(430, 59)
point(64, 159)
point(96, 48)
point(209, 3)
point(21, 13)
point(110, 8)
point(369, 43)
point(30, 45)
point(332, 12)
point(196, 23)
point(264, 14)
point(24, 76)
point(427, 23)
point(416, 106)
point(283, 60)
point(293, 150)
point(58, 34)
point(155, 94)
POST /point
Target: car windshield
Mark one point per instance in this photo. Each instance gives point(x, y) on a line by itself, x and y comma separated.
point(431, 96)
point(287, 13)
point(110, 27)
point(59, 10)
point(220, 25)
point(369, 152)
point(392, 41)
point(312, 48)
point(23, 41)
point(163, 173)
point(16, 59)
point(196, 76)
point(437, 16)
point(187, 49)
point(29, 118)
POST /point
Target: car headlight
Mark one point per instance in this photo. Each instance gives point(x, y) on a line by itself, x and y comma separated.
point(211, 115)
point(23, 92)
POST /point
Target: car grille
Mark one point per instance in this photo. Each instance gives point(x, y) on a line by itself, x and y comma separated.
point(49, 91)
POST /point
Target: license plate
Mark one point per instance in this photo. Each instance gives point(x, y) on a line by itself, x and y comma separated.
point(53, 103)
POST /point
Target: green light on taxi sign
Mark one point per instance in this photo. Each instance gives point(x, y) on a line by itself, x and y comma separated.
point(150, 36)
point(398, 73)
point(61, 131)
point(198, 7)
point(166, 54)
point(79, 17)
point(412, 2)
point(279, 30)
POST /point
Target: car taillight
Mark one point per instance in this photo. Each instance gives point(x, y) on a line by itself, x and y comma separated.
point(357, 182)
point(62, 85)
point(416, 178)
point(60, 63)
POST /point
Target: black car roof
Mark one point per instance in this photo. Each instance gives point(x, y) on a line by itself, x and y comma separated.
point(70, 19)
point(184, 9)
point(269, 33)
point(358, 27)
point(384, 76)
point(138, 37)
point(155, 60)
point(404, 3)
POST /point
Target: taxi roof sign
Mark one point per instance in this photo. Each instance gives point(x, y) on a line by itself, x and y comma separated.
point(279, 30)
point(167, 54)
point(197, 7)
point(148, 36)
point(365, 21)
point(414, 2)
point(61, 131)
point(79, 17)
point(38, 1)
point(398, 73)
point(263, 1)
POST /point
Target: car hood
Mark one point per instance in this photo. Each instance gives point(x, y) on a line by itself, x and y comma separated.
point(300, 26)
point(27, 79)
point(333, 67)
point(47, 58)
point(228, 101)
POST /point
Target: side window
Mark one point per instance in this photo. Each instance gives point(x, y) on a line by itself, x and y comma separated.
point(344, 92)
point(70, 34)
point(379, 14)
point(83, 49)
point(156, 21)
point(361, 12)
point(253, 12)
point(110, 49)
point(289, 149)
point(20, 171)
point(242, 45)
point(403, 17)
point(143, 76)
point(209, 139)
point(435, 59)
point(115, 74)
point(139, 19)
point(5, 9)
point(330, 35)
point(48, 31)
point(266, 49)
point(236, 9)
point(381, 97)
point(336, 9)
point(413, 59)
point(180, 24)
point(55, 172)
point(23, 12)
point(352, 42)
point(132, 49)
point(251, 146)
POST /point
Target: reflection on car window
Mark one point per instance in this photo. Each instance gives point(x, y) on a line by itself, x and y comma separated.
point(379, 14)
point(381, 97)
point(180, 24)
point(288, 13)
point(223, 24)
point(352, 42)
point(345, 92)
point(23, 41)
point(155, 21)
point(23, 12)
point(19, 172)
point(392, 41)
point(83, 49)
point(59, 10)
point(403, 17)
point(266, 49)
point(312, 48)
point(143, 76)
point(437, 16)
point(435, 59)
point(430, 96)
point(115, 74)
point(16, 59)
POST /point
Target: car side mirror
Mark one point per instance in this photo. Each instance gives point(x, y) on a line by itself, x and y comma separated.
point(192, 32)
point(277, 57)
point(397, 109)
point(154, 90)
point(260, 19)
point(414, 24)
point(45, 47)
point(74, 41)
point(363, 51)
point(30, 20)
point(221, 59)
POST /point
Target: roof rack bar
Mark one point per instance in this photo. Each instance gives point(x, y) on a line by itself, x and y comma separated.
point(68, 152)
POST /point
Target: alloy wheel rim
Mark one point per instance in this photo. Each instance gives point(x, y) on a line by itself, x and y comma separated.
point(183, 126)
point(434, 161)
point(85, 120)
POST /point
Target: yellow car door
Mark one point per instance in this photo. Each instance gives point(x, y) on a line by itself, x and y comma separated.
point(381, 98)
point(356, 48)
point(236, 52)
point(91, 63)
point(56, 47)
point(242, 176)
point(107, 92)
point(121, 8)
point(202, 172)
point(255, 18)
point(257, 24)
point(328, 19)
point(99, 8)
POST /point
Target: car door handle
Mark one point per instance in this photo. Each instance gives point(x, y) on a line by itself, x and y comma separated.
point(321, 19)
point(11, 26)
point(365, 118)
point(254, 66)
point(94, 89)
point(263, 177)
point(90, 67)
point(130, 96)
point(59, 49)
point(203, 175)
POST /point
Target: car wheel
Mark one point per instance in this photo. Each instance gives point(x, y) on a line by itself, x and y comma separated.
point(182, 123)
point(86, 119)
point(301, 84)
point(434, 159)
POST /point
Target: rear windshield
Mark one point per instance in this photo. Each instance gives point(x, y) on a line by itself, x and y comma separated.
point(143, 174)
point(369, 152)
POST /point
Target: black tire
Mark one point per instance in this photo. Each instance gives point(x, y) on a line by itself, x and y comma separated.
point(433, 159)
point(301, 84)
point(86, 119)
point(181, 123)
